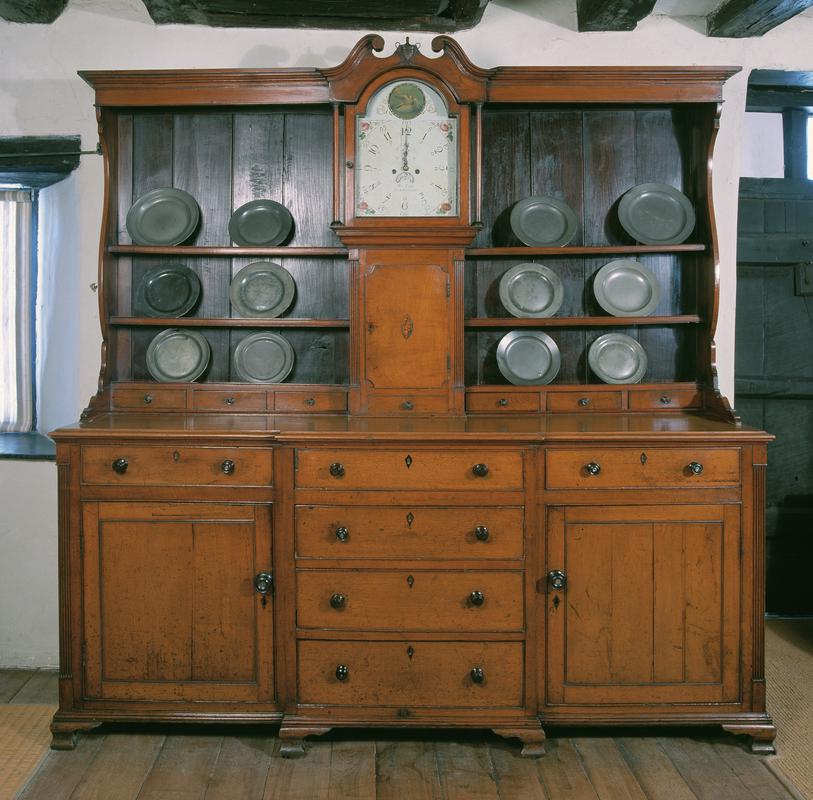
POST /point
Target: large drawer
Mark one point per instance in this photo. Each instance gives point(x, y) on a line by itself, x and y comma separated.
point(408, 674)
point(410, 469)
point(474, 532)
point(147, 465)
point(409, 600)
point(645, 467)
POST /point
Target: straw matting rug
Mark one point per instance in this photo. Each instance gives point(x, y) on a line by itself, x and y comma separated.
point(24, 740)
point(789, 672)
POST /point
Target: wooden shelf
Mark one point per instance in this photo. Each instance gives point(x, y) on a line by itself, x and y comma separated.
point(233, 252)
point(488, 252)
point(241, 322)
point(582, 322)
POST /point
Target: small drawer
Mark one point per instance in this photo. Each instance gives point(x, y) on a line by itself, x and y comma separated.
point(584, 401)
point(502, 402)
point(478, 470)
point(149, 398)
point(375, 532)
point(304, 402)
point(408, 404)
point(634, 468)
point(414, 600)
point(224, 400)
point(664, 399)
point(141, 465)
point(408, 674)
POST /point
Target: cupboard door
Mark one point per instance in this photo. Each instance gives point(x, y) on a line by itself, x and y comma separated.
point(650, 612)
point(170, 608)
point(406, 326)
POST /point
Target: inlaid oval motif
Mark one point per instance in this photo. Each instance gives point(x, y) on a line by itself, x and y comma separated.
point(407, 326)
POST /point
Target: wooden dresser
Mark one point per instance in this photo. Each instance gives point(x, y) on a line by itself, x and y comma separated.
point(395, 535)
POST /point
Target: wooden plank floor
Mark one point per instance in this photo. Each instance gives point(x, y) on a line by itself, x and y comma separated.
point(237, 763)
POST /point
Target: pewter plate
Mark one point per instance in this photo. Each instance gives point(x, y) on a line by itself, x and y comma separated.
point(531, 290)
point(543, 222)
point(262, 289)
point(260, 223)
point(528, 357)
point(626, 288)
point(163, 217)
point(178, 356)
point(617, 358)
point(263, 357)
point(656, 213)
point(167, 291)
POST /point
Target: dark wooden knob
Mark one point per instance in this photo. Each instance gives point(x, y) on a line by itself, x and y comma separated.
point(337, 601)
point(147, 398)
point(481, 532)
point(592, 468)
point(407, 405)
point(120, 466)
point(695, 467)
point(310, 401)
point(480, 470)
point(228, 467)
point(342, 534)
point(229, 401)
point(477, 674)
point(337, 469)
point(342, 672)
point(665, 400)
point(477, 598)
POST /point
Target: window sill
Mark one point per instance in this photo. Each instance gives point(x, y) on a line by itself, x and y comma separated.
point(27, 446)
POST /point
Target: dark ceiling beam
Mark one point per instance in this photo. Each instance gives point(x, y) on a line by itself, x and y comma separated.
point(612, 15)
point(38, 161)
point(742, 18)
point(405, 15)
point(31, 10)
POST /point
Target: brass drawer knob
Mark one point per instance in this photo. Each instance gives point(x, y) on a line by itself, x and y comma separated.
point(337, 469)
point(477, 674)
point(502, 402)
point(120, 466)
point(695, 467)
point(592, 468)
point(228, 467)
point(337, 601)
point(407, 405)
point(665, 400)
point(480, 470)
point(229, 401)
point(557, 580)
point(342, 534)
point(584, 402)
point(481, 532)
point(311, 401)
point(148, 399)
point(342, 672)
point(477, 598)
point(264, 582)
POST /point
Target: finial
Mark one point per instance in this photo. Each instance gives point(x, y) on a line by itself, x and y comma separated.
point(407, 50)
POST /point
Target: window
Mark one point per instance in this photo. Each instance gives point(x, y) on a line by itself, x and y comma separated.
point(17, 303)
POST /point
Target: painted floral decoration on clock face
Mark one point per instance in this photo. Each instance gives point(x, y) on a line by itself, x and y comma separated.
point(406, 154)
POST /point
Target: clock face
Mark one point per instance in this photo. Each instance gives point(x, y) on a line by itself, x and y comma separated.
point(406, 155)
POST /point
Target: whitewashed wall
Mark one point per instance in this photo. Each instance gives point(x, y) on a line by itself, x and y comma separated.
point(40, 93)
